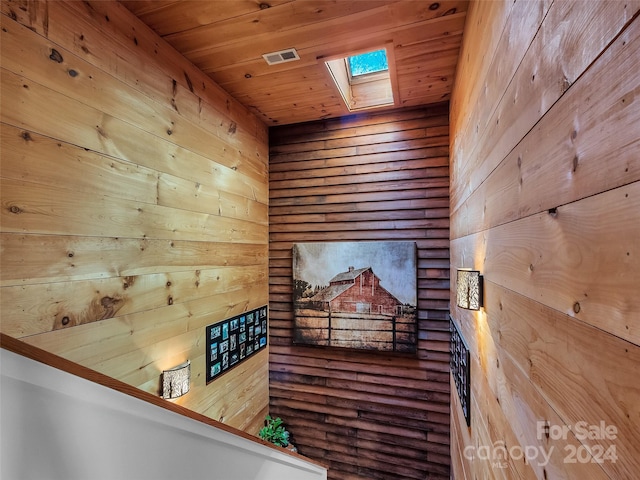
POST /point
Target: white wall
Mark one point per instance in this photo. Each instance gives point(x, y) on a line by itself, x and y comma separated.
point(58, 426)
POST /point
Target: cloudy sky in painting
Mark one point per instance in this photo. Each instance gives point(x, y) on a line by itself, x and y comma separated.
point(393, 262)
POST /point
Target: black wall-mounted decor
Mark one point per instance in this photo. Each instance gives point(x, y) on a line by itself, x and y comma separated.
point(235, 339)
point(460, 369)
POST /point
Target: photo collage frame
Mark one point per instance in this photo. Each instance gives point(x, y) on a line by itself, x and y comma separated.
point(231, 341)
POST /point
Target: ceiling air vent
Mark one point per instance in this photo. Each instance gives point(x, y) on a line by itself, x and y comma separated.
point(282, 56)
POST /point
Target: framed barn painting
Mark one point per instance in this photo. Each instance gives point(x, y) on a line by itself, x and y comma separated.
point(356, 295)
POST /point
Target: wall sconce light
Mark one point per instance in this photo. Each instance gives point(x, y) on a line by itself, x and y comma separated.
point(175, 381)
point(469, 293)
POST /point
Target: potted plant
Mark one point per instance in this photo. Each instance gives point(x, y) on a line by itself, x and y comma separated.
point(274, 432)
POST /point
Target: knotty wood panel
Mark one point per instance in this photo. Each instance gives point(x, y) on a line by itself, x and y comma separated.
point(366, 177)
point(134, 203)
point(545, 202)
point(583, 30)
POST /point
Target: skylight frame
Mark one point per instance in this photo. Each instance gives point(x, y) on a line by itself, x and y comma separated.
point(366, 91)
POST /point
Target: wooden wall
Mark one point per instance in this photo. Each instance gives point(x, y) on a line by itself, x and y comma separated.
point(545, 202)
point(375, 176)
point(134, 202)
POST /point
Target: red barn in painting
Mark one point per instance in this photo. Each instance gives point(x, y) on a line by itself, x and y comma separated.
point(357, 291)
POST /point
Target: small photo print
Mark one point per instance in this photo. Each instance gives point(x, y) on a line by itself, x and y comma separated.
point(233, 340)
point(264, 326)
point(225, 331)
point(243, 323)
point(242, 338)
point(234, 324)
point(258, 330)
point(263, 312)
point(214, 351)
point(234, 359)
point(224, 346)
point(256, 345)
point(225, 361)
point(249, 349)
point(215, 369)
point(250, 317)
point(243, 351)
point(250, 333)
point(263, 341)
point(215, 332)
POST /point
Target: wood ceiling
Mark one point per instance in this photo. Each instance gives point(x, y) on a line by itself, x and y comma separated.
point(227, 38)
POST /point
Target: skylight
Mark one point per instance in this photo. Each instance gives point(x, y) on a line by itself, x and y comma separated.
point(370, 62)
point(366, 80)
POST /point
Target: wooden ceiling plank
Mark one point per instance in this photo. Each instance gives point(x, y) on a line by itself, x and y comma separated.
point(282, 18)
point(378, 23)
point(226, 40)
point(169, 18)
point(142, 7)
point(433, 36)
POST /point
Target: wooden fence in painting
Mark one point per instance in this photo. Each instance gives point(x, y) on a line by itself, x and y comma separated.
point(370, 331)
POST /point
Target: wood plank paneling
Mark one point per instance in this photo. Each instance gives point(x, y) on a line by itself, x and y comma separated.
point(545, 201)
point(228, 41)
point(134, 203)
point(367, 177)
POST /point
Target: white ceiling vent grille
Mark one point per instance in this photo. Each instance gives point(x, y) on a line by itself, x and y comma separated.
point(288, 55)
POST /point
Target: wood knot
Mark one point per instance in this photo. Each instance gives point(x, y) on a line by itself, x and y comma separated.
point(129, 281)
point(434, 6)
point(101, 132)
point(15, 209)
point(65, 321)
point(576, 307)
point(110, 306)
point(26, 136)
point(233, 127)
point(170, 300)
point(72, 72)
point(55, 56)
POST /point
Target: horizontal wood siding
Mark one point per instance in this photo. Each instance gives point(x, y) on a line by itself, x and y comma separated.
point(134, 203)
point(545, 202)
point(368, 177)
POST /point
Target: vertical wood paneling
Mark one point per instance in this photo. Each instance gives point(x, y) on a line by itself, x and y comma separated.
point(545, 201)
point(362, 178)
point(134, 202)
